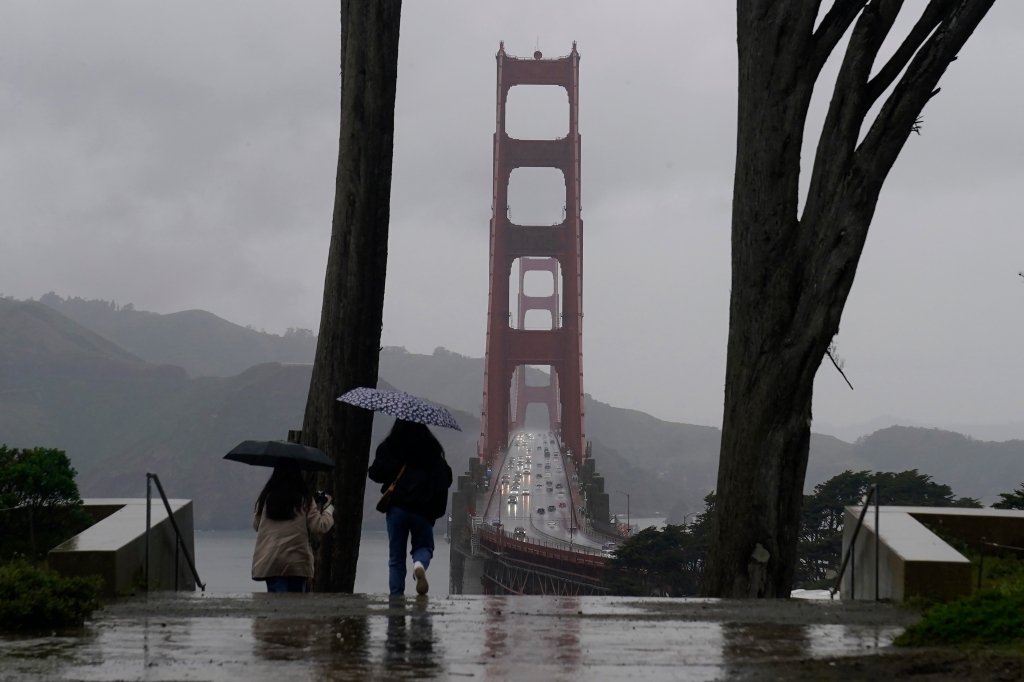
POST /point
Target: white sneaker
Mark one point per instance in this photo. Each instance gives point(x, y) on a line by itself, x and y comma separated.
point(420, 574)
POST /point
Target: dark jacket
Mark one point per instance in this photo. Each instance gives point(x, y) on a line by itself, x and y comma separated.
point(423, 488)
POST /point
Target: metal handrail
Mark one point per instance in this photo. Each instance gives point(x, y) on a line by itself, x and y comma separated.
point(872, 490)
point(179, 543)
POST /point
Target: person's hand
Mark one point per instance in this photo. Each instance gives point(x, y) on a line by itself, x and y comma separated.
point(329, 498)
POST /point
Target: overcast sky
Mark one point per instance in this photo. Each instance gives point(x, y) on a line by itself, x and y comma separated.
point(182, 155)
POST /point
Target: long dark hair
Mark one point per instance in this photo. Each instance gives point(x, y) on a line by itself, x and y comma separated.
point(285, 494)
point(415, 443)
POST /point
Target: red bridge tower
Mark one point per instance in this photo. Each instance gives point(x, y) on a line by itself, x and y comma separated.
point(551, 248)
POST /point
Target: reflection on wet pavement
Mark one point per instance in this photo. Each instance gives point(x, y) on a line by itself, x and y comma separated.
point(327, 637)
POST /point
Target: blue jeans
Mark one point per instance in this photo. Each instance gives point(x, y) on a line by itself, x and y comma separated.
point(288, 583)
point(402, 524)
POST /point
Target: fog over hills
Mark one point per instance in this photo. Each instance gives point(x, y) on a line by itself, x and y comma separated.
point(199, 342)
point(119, 414)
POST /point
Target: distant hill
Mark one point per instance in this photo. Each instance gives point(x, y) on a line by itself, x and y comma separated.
point(200, 342)
point(64, 386)
point(675, 465)
point(119, 414)
point(972, 467)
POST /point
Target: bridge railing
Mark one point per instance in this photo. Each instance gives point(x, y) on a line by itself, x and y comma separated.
point(501, 539)
point(575, 485)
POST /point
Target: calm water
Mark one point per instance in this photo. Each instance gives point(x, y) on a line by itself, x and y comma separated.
point(224, 562)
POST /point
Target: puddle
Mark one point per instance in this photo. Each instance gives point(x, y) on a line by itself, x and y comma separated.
point(498, 638)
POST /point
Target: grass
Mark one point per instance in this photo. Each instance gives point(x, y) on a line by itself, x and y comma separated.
point(33, 597)
point(992, 616)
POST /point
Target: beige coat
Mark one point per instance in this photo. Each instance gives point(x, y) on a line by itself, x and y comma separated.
point(282, 547)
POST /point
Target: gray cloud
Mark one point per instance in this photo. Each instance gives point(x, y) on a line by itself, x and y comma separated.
point(183, 156)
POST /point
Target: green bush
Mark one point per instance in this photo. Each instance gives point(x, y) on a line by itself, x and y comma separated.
point(667, 562)
point(991, 616)
point(39, 502)
point(35, 598)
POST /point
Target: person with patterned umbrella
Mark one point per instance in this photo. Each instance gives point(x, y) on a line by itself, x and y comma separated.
point(414, 478)
point(401, 405)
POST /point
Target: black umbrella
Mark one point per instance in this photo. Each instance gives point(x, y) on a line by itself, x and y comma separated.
point(270, 453)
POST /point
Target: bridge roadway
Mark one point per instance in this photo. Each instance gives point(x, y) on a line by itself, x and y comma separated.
point(526, 458)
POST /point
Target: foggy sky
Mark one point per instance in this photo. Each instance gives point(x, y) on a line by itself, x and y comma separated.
point(182, 155)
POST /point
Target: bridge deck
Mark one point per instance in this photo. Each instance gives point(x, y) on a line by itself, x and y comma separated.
point(554, 525)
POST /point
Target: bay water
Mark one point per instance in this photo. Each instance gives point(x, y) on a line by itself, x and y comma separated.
point(224, 563)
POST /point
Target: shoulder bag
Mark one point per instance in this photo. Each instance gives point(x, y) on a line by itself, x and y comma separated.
point(385, 499)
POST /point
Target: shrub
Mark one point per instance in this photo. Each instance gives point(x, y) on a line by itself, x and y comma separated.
point(35, 598)
point(992, 616)
point(39, 502)
point(667, 562)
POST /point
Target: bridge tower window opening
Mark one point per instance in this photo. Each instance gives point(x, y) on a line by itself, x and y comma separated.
point(536, 196)
point(535, 387)
point(535, 293)
point(537, 112)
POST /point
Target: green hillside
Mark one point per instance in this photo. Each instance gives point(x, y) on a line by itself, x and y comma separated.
point(200, 342)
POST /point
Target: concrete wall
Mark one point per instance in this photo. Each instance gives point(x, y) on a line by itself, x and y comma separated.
point(914, 560)
point(115, 547)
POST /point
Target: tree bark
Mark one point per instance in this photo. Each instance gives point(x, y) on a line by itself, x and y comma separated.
point(348, 346)
point(791, 273)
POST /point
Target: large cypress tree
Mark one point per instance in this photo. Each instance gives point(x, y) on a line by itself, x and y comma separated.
point(348, 346)
point(792, 272)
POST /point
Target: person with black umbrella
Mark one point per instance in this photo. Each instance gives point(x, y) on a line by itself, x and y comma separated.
point(286, 515)
point(285, 518)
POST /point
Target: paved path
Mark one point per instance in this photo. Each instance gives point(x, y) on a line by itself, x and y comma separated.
point(346, 637)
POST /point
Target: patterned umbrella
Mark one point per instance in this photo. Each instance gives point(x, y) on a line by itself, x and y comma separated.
point(401, 405)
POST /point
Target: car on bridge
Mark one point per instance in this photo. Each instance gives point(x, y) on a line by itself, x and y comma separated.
point(519, 533)
point(561, 505)
point(551, 524)
point(559, 486)
point(551, 507)
point(540, 510)
point(513, 499)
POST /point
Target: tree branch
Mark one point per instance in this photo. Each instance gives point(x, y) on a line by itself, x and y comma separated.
point(833, 26)
point(894, 123)
point(933, 15)
point(835, 154)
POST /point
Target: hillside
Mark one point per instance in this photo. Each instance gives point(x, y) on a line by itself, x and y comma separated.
point(200, 342)
point(63, 386)
point(118, 415)
point(972, 467)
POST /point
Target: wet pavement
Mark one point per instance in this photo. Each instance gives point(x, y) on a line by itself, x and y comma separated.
point(355, 637)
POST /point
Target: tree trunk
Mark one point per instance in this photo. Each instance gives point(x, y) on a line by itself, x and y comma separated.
point(791, 274)
point(348, 347)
